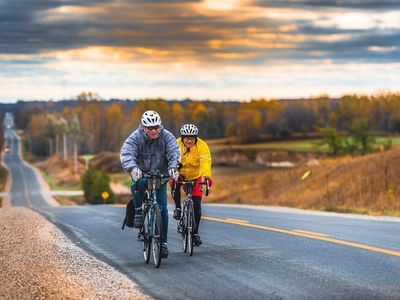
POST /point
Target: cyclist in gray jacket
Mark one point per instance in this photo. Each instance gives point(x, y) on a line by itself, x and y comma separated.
point(150, 148)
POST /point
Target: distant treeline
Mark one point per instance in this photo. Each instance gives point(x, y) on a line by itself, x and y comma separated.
point(89, 125)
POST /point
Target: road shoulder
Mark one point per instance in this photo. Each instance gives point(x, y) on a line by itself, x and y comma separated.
point(39, 262)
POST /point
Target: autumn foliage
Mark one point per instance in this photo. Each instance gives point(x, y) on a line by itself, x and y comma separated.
point(88, 125)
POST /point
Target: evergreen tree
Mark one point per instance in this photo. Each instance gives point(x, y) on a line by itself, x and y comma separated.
point(87, 182)
point(94, 183)
point(101, 185)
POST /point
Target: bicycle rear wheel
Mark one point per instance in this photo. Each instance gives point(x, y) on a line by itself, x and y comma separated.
point(157, 235)
point(146, 238)
point(190, 228)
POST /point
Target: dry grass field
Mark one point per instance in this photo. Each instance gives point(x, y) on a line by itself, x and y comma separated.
point(367, 184)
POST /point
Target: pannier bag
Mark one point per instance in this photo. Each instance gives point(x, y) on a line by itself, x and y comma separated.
point(129, 214)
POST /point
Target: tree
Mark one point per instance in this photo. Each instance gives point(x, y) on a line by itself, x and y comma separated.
point(52, 134)
point(332, 139)
point(113, 129)
point(209, 126)
point(91, 119)
point(248, 123)
point(362, 136)
point(177, 114)
point(64, 130)
point(195, 109)
point(87, 182)
point(75, 130)
point(88, 96)
point(101, 185)
point(299, 118)
point(37, 131)
point(94, 183)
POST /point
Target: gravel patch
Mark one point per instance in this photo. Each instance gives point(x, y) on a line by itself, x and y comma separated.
point(37, 261)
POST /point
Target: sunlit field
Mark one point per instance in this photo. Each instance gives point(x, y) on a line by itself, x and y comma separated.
point(295, 146)
point(303, 146)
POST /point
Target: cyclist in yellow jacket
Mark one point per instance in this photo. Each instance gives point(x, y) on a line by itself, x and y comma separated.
point(196, 160)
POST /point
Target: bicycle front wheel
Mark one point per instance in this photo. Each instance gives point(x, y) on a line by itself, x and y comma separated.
point(157, 235)
point(146, 238)
point(190, 228)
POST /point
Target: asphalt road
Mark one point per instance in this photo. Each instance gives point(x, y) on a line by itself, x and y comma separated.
point(247, 252)
point(25, 188)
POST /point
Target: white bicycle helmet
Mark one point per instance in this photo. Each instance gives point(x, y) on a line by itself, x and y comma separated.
point(189, 129)
point(151, 118)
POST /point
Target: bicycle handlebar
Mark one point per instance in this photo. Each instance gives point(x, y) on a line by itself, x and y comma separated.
point(155, 175)
point(179, 166)
point(194, 183)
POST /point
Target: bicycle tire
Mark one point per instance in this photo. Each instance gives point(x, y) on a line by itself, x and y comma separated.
point(146, 238)
point(156, 235)
point(184, 228)
point(190, 228)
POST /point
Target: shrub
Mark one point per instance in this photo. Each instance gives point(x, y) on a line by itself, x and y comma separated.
point(3, 177)
point(94, 183)
point(87, 181)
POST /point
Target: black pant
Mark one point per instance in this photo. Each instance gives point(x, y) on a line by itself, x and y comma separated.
point(196, 203)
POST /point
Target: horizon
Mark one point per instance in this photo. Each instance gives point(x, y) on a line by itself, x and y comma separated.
point(217, 50)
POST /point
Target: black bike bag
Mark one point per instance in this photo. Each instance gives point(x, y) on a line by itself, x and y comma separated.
point(129, 215)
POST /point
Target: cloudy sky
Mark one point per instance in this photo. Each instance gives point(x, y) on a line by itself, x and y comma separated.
point(209, 49)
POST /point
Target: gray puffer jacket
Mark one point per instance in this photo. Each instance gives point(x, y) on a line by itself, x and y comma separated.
point(140, 151)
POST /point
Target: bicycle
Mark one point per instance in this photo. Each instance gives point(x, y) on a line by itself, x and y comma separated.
point(151, 231)
point(186, 224)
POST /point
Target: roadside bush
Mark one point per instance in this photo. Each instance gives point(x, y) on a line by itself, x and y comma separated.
point(94, 183)
point(3, 177)
point(87, 181)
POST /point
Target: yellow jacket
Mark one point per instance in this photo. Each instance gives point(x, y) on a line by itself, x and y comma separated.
point(197, 161)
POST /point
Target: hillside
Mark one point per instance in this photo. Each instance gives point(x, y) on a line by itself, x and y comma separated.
point(367, 184)
point(60, 173)
point(364, 184)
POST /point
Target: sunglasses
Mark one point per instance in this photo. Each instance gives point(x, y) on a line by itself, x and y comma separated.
point(189, 137)
point(153, 127)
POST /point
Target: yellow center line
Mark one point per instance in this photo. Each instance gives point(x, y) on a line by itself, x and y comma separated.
point(310, 236)
point(309, 232)
point(237, 221)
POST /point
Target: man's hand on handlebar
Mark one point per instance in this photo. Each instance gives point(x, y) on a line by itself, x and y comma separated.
point(136, 173)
